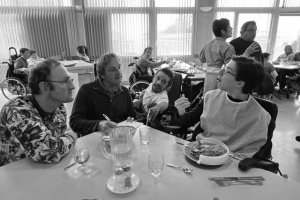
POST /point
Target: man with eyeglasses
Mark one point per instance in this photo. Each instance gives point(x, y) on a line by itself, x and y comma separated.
point(230, 114)
point(34, 126)
point(246, 42)
point(105, 96)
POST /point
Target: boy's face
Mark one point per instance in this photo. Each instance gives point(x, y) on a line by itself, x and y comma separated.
point(160, 82)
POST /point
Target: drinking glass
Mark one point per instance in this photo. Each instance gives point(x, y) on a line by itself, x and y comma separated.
point(156, 164)
point(81, 156)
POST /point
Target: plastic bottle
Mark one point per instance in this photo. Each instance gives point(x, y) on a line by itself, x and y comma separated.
point(63, 56)
point(119, 181)
point(127, 176)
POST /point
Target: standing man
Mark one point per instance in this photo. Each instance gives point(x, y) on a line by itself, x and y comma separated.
point(34, 126)
point(216, 52)
point(246, 42)
point(21, 65)
point(106, 96)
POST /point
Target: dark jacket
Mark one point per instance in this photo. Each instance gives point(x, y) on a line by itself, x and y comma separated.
point(92, 102)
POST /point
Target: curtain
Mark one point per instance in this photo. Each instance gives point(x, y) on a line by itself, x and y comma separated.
point(46, 26)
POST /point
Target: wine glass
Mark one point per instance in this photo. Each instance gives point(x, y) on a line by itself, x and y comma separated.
point(81, 156)
point(156, 164)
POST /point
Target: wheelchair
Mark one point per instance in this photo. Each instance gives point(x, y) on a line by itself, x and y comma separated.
point(138, 80)
point(13, 85)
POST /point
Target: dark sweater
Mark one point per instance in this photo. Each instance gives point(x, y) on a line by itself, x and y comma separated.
point(92, 102)
point(240, 45)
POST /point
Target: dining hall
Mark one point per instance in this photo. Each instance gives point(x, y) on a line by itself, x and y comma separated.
point(150, 99)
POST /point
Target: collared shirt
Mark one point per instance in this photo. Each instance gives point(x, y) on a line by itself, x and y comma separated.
point(216, 52)
point(21, 66)
point(116, 90)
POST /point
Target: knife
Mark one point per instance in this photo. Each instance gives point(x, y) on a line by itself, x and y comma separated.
point(237, 178)
point(183, 144)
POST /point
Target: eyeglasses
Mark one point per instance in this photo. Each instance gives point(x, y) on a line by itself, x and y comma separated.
point(228, 72)
point(67, 82)
point(252, 30)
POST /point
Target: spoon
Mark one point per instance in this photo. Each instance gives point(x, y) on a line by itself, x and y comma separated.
point(184, 169)
point(74, 163)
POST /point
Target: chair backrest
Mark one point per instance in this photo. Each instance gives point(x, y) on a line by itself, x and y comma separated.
point(265, 152)
point(174, 92)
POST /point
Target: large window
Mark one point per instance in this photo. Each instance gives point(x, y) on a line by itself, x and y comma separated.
point(275, 19)
point(131, 26)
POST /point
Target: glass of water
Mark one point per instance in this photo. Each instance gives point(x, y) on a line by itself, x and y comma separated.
point(81, 156)
point(156, 164)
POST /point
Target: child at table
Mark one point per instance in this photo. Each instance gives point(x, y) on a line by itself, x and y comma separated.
point(155, 98)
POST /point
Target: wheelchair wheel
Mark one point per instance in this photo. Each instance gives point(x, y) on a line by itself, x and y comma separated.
point(13, 87)
point(137, 88)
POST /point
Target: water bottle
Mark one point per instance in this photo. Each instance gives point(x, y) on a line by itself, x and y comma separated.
point(63, 56)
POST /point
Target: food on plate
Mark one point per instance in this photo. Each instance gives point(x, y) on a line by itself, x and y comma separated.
point(207, 150)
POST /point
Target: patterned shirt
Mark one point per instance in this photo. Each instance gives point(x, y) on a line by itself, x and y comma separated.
point(25, 131)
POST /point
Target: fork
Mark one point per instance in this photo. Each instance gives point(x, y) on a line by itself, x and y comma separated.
point(228, 183)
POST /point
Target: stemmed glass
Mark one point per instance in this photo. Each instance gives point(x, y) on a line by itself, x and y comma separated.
point(156, 164)
point(81, 156)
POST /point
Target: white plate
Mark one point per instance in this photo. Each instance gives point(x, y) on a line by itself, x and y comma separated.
point(69, 63)
point(122, 190)
point(188, 154)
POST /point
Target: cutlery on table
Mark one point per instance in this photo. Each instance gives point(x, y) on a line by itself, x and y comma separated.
point(183, 144)
point(254, 178)
point(73, 164)
point(238, 182)
point(184, 169)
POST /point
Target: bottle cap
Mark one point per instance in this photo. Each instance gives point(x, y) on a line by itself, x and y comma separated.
point(118, 171)
point(126, 168)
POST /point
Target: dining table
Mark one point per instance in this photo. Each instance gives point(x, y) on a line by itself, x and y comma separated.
point(28, 180)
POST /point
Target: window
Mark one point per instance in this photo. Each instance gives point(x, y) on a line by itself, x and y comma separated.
point(287, 34)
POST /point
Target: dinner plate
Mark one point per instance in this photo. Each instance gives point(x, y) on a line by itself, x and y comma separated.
point(122, 190)
point(69, 63)
point(204, 161)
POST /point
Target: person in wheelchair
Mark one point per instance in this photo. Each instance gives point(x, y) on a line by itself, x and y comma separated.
point(145, 65)
point(155, 98)
point(230, 114)
point(21, 65)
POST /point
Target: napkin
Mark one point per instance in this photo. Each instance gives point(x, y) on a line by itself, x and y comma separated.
point(134, 124)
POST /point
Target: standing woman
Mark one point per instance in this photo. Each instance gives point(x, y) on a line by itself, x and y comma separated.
point(146, 65)
point(83, 53)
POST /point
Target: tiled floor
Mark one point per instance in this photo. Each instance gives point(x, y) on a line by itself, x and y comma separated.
point(286, 150)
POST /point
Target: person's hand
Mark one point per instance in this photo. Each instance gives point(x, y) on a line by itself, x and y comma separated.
point(153, 112)
point(104, 126)
point(181, 104)
point(254, 47)
point(130, 119)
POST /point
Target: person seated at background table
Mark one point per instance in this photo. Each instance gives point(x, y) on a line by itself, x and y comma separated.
point(216, 52)
point(21, 65)
point(83, 53)
point(230, 114)
point(106, 96)
point(287, 56)
point(269, 67)
point(33, 59)
point(34, 126)
point(155, 98)
point(146, 65)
